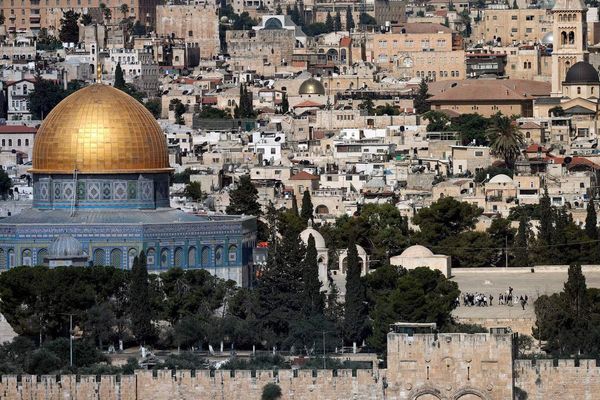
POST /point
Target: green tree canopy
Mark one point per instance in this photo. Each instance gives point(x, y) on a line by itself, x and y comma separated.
point(505, 139)
point(193, 191)
point(119, 79)
point(244, 198)
point(356, 325)
point(445, 218)
point(420, 103)
point(69, 27)
point(419, 295)
point(139, 294)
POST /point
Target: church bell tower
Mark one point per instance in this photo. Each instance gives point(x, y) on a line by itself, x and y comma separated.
point(569, 37)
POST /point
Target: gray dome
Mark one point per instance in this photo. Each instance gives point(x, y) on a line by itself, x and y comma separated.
point(582, 73)
point(548, 38)
point(65, 246)
point(311, 86)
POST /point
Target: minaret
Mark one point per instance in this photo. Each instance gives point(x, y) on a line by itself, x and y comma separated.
point(569, 41)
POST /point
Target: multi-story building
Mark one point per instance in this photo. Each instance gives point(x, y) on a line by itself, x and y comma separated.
point(23, 15)
point(18, 99)
point(198, 25)
point(427, 51)
point(512, 25)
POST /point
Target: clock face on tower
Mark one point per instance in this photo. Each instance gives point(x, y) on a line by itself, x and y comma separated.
point(408, 62)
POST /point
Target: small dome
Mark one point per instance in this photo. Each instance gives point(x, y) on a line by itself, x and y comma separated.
point(65, 246)
point(311, 86)
point(360, 250)
point(417, 251)
point(548, 38)
point(501, 178)
point(582, 73)
point(319, 241)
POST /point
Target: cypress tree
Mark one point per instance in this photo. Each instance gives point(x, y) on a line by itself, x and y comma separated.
point(591, 221)
point(280, 287)
point(521, 253)
point(337, 22)
point(119, 80)
point(313, 297)
point(420, 103)
point(356, 312)
point(140, 307)
point(329, 23)
point(244, 199)
point(307, 207)
point(349, 19)
point(278, 10)
point(546, 219)
point(294, 205)
point(285, 105)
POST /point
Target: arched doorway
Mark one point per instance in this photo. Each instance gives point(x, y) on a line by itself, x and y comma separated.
point(322, 209)
point(99, 257)
point(116, 258)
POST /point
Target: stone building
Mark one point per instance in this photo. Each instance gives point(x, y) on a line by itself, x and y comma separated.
point(198, 25)
point(419, 256)
point(513, 25)
point(101, 176)
point(420, 366)
point(22, 15)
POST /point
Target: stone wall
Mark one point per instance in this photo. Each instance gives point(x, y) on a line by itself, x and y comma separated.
point(420, 367)
point(543, 379)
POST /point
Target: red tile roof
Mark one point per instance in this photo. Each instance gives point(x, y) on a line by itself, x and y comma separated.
point(304, 176)
point(17, 129)
point(345, 41)
point(535, 148)
point(308, 103)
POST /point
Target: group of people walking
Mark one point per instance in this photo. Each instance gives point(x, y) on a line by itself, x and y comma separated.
point(483, 300)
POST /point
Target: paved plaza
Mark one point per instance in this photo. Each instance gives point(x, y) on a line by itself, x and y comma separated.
point(545, 280)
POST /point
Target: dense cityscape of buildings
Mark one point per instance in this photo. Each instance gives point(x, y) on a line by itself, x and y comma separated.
point(133, 127)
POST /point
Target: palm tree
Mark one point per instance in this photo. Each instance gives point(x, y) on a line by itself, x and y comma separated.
point(124, 10)
point(505, 139)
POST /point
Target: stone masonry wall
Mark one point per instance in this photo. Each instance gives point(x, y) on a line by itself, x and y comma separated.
point(542, 380)
point(432, 367)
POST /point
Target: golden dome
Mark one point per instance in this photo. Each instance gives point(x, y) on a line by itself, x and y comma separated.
point(311, 86)
point(97, 130)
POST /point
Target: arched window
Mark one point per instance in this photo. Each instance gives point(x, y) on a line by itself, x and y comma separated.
point(131, 254)
point(99, 257)
point(191, 262)
point(164, 258)
point(3, 262)
point(151, 257)
point(232, 253)
point(26, 258)
point(571, 37)
point(219, 255)
point(116, 258)
point(578, 90)
point(178, 257)
point(563, 37)
point(18, 142)
point(528, 135)
point(529, 64)
point(205, 257)
point(41, 257)
point(11, 258)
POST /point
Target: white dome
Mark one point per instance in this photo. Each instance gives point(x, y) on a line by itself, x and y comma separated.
point(501, 178)
point(417, 251)
point(548, 38)
point(319, 241)
point(360, 250)
point(65, 246)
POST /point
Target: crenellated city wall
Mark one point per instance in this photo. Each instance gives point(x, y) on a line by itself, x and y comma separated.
point(443, 367)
